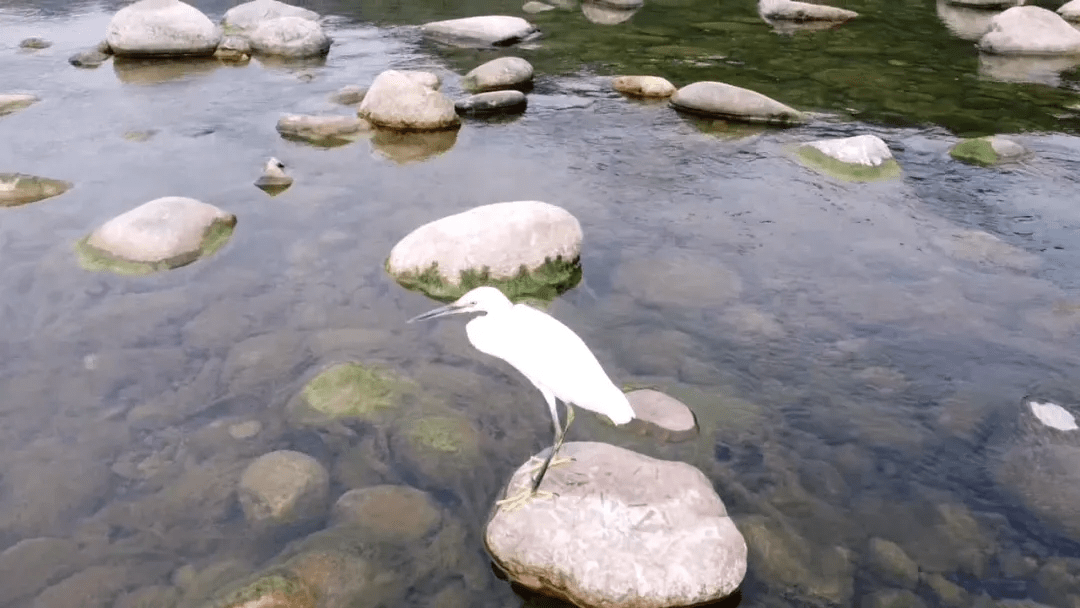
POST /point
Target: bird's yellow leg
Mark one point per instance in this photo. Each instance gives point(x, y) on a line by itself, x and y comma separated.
point(522, 498)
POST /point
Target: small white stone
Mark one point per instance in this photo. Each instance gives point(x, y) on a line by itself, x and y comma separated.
point(1053, 416)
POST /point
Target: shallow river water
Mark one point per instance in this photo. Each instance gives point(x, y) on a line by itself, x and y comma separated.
point(850, 350)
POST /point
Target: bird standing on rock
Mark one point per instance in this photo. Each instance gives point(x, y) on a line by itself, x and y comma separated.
point(546, 352)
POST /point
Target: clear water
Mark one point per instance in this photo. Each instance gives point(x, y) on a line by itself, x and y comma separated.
point(847, 355)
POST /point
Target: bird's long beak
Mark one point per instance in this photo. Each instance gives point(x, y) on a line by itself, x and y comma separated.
point(449, 309)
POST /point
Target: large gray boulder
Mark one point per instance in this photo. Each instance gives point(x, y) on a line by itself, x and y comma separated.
point(19, 189)
point(501, 73)
point(497, 30)
point(792, 10)
point(289, 37)
point(397, 100)
point(722, 100)
point(161, 27)
point(1030, 30)
point(163, 233)
point(283, 487)
point(624, 530)
point(1038, 460)
point(503, 241)
point(249, 15)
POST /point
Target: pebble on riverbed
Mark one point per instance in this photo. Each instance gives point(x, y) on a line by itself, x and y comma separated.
point(164, 233)
point(491, 244)
point(862, 158)
point(685, 550)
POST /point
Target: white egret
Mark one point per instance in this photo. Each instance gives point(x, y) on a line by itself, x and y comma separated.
point(546, 352)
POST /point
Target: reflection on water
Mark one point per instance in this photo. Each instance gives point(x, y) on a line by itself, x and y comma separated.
point(852, 351)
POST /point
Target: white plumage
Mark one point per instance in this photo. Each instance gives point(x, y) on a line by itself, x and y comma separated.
point(545, 351)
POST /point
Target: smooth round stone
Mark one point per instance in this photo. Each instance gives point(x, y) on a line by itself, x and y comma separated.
point(1030, 30)
point(604, 14)
point(19, 189)
point(533, 7)
point(290, 37)
point(283, 487)
point(860, 158)
point(501, 73)
point(90, 58)
point(652, 87)
point(250, 15)
point(161, 27)
point(388, 512)
point(396, 100)
point(791, 10)
point(987, 151)
point(620, 525)
point(662, 415)
point(34, 44)
point(494, 102)
point(349, 95)
point(245, 430)
point(161, 229)
point(496, 30)
point(1070, 11)
point(722, 100)
point(327, 130)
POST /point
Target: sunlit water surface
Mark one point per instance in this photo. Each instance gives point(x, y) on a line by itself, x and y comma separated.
point(847, 348)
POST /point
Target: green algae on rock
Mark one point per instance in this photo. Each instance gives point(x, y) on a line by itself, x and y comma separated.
point(987, 151)
point(854, 172)
point(19, 189)
point(162, 234)
point(270, 590)
point(346, 391)
point(545, 283)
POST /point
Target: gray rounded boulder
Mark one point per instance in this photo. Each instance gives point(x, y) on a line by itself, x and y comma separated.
point(1030, 30)
point(501, 73)
point(164, 233)
point(282, 488)
point(722, 100)
point(524, 247)
point(250, 15)
point(397, 100)
point(289, 37)
point(624, 530)
point(161, 27)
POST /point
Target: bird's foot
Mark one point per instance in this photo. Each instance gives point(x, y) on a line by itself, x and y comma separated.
point(522, 498)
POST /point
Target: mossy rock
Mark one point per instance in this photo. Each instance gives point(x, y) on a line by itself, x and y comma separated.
point(823, 163)
point(445, 435)
point(268, 590)
point(544, 283)
point(986, 151)
point(19, 189)
point(94, 259)
point(350, 391)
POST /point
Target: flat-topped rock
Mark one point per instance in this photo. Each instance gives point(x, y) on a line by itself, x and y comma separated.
point(164, 233)
point(792, 10)
point(987, 151)
point(501, 73)
point(497, 30)
point(493, 102)
point(163, 28)
point(19, 189)
point(652, 87)
point(859, 158)
point(250, 15)
point(624, 530)
point(13, 102)
point(290, 37)
point(532, 244)
point(662, 415)
point(722, 100)
point(397, 100)
point(322, 130)
point(1030, 30)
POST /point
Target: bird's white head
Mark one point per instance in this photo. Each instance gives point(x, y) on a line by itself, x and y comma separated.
point(482, 299)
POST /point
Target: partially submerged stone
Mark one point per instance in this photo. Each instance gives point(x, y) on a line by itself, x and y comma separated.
point(349, 95)
point(494, 30)
point(987, 151)
point(282, 488)
point(34, 44)
point(275, 589)
point(792, 10)
point(602, 13)
point(523, 247)
point(721, 100)
point(91, 58)
point(19, 189)
point(1030, 30)
point(493, 102)
point(163, 28)
point(535, 6)
point(397, 101)
point(164, 233)
point(501, 73)
point(404, 147)
point(346, 391)
point(964, 22)
point(662, 415)
point(323, 130)
point(653, 87)
point(249, 15)
point(233, 48)
point(623, 529)
point(294, 37)
point(13, 102)
point(861, 158)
